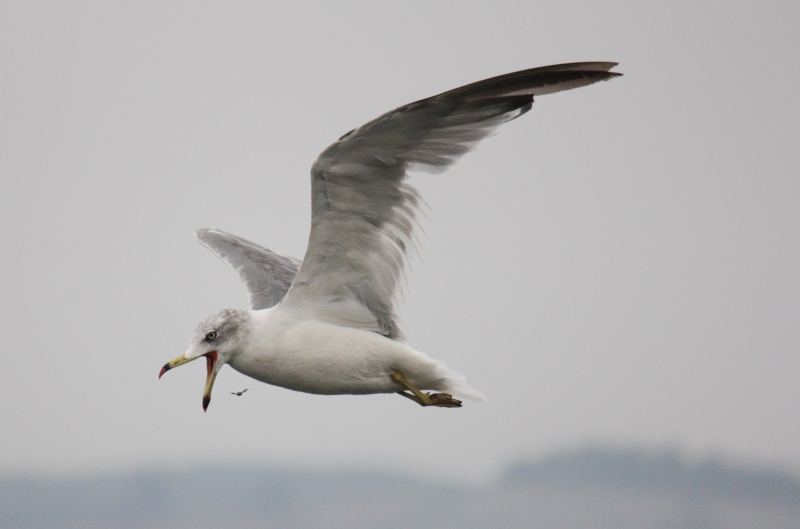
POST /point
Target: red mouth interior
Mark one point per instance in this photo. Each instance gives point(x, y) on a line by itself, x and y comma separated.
point(211, 359)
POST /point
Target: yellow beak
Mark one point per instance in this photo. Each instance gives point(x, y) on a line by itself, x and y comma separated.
point(211, 373)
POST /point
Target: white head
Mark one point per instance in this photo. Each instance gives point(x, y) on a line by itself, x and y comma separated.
point(219, 338)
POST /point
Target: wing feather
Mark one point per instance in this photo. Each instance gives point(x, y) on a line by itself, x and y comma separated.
point(266, 275)
point(363, 209)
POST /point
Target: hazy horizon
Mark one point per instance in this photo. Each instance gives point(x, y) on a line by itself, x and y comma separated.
point(596, 488)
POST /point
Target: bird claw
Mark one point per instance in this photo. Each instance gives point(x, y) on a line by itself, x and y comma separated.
point(443, 400)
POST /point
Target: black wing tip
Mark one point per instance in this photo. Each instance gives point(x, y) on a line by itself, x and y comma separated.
point(535, 81)
point(581, 66)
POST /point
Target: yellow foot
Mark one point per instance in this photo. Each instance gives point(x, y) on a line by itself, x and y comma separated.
point(442, 400)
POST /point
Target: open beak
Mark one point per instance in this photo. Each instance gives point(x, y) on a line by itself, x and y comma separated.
point(211, 373)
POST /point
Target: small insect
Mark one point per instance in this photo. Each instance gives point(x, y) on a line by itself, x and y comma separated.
point(238, 393)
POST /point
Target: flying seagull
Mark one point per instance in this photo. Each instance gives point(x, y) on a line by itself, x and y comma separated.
point(328, 326)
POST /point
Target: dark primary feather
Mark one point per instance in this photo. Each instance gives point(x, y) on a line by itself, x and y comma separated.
point(363, 210)
point(537, 81)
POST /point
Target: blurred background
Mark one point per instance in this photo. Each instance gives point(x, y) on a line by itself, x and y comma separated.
point(618, 270)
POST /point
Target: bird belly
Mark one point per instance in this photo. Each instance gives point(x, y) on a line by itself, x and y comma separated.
point(321, 358)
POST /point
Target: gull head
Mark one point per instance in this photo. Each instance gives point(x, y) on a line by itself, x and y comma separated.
point(219, 338)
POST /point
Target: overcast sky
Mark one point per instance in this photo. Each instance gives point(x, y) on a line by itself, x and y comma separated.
point(621, 265)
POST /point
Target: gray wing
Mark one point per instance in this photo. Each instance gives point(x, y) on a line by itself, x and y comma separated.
point(363, 210)
point(266, 275)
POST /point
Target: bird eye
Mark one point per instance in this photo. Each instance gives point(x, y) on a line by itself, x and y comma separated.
point(211, 336)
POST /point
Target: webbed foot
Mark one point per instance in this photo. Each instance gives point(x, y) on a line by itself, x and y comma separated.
point(442, 400)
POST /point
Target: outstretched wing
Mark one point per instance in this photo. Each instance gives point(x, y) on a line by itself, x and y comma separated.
point(266, 275)
point(363, 210)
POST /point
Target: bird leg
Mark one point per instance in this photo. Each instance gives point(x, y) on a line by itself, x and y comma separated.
point(424, 399)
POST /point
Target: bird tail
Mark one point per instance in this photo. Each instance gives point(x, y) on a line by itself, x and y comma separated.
point(458, 386)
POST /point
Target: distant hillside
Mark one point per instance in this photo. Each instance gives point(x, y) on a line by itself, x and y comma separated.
point(657, 473)
point(594, 489)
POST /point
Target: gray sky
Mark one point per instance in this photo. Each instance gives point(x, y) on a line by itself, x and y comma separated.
point(621, 265)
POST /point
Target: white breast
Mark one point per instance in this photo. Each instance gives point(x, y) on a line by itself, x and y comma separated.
point(317, 357)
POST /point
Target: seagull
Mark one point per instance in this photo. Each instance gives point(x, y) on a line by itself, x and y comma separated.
point(327, 325)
